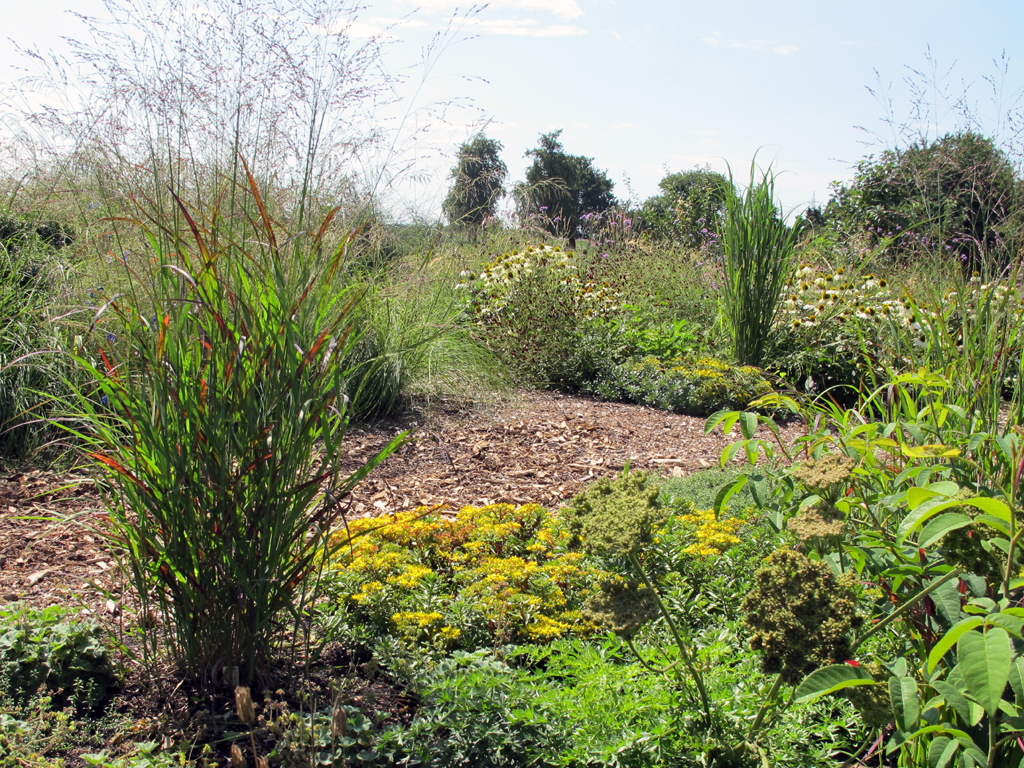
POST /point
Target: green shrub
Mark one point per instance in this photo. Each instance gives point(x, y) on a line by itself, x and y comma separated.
point(48, 649)
point(694, 387)
point(535, 309)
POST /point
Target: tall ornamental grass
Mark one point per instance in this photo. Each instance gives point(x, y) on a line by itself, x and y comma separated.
point(220, 432)
point(758, 250)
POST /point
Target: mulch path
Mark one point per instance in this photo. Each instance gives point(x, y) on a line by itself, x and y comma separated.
point(536, 447)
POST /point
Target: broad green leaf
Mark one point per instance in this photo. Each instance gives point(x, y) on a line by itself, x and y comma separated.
point(954, 698)
point(748, 424)
point(1017, 679)
point(984, 660)
point(729, 452)
point(949, 640)
point(726, 492)
point(995, 523)
point(759, 490)
point(826, 680)
point(940, 525)
point(1012, 624)
point(916, 496)
point(726, 418)
point(906, 707)
point(970, 747)
point(941, 751)
point(929, 508)
point(947, 601)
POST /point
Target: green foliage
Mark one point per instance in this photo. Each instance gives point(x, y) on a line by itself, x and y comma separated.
point(689, 209)
point(147, 755)
point(567, 705)
point(920, 506)
point(758, 251)
point(219, 435)
point(49, 650)
point(956, 196)
point(34, 290)
point(35, 728)
point(696, 387)
point(538, 312)
point(560, 189)
point(478, 181)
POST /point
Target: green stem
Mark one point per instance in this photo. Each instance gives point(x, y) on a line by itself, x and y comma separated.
point(683, 653)
point(904, 608)
point(651, 667)
point(765, 707)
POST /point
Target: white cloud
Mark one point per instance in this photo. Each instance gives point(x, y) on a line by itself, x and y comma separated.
point(753, 45)
point(525, 27)
point(563, 9)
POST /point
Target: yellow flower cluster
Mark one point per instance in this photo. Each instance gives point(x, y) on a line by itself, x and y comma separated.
point(714, 535)
point(502, 571)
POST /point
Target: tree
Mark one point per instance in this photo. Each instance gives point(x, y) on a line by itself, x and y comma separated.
point(562, 188)
point(478, 182)
point(957, 194)
point(689, 209)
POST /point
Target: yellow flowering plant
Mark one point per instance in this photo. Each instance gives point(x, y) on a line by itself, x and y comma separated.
point(482, 576)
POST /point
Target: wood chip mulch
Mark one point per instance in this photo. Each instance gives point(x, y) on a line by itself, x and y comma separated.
point(537, 447)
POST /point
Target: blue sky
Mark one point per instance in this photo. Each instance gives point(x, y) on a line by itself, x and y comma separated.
point(645, 85)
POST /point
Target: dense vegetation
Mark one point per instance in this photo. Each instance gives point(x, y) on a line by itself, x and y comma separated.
point(203, 331)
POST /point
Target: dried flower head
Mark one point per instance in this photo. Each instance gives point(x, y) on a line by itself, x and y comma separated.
point(823, 473)
point(622, 606)
point(813, 524)
point(616, 516)
point(872, 701)
point(237, 758)
point(799, 614)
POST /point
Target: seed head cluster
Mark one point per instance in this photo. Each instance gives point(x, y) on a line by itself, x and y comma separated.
point(799, 615)
point(616, 517)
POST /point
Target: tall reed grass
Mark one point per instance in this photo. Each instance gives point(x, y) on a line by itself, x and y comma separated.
point(757, 249)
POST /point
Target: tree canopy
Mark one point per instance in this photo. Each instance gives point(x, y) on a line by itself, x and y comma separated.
point(561, 189)
point(957, 194)
point(689, 208)
point(478, 182)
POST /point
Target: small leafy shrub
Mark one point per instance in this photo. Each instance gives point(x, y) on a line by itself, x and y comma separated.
point(694, 387)
point(829, 318)
point(568, 704)
point(493, 574)
point(48, 649)
point(534, 309)
point(34, 728)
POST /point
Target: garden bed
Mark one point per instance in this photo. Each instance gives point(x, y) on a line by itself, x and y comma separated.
point(536, 447)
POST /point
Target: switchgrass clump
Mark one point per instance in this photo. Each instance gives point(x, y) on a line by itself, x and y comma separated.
point(219, 433)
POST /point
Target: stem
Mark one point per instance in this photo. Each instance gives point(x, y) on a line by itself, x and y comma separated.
point(651, 667)
point(768, 702)
point(904, 608)
point(684, 654)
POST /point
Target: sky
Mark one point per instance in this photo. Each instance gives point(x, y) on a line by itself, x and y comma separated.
point(649, 86)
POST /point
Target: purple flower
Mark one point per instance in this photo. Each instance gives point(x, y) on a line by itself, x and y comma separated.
point(103, 399)
point(111, 338)
point(543, 207)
